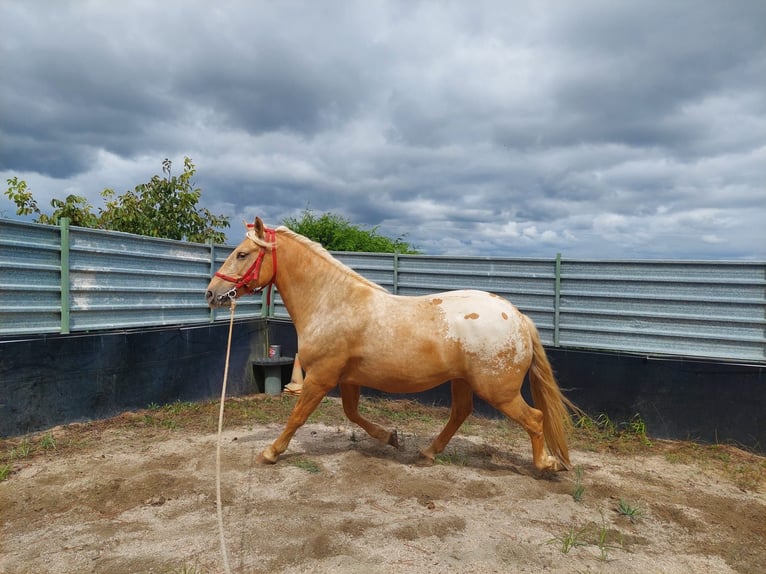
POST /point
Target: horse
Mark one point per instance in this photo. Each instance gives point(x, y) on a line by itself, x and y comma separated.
point(353, 333)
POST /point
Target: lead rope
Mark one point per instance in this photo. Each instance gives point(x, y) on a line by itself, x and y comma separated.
point(219, 506)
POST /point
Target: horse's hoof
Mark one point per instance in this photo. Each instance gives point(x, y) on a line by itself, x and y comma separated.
point(393, 439)
point(427, 458)
point(266, 457)
point(552, 464)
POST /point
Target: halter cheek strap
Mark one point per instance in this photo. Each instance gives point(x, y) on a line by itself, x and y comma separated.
point(254, 271)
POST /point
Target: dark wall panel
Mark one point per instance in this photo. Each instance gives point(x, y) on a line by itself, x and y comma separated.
point(46, 381)
point(50, 380)
point(676, 398)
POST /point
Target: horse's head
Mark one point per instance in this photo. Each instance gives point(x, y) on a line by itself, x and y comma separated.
point(246, 269)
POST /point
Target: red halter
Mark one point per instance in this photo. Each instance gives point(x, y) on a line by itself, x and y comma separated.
point(254, 270)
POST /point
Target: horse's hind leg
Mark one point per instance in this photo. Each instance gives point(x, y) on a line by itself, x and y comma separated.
point(462, 406)
point(349, 395)
point(532, 421)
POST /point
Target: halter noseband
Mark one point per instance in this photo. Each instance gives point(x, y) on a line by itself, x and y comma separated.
point(254, 271)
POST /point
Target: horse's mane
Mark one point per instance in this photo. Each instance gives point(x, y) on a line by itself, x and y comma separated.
point(321, 252)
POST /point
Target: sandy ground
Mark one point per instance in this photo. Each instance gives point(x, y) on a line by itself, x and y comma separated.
point(128, 500)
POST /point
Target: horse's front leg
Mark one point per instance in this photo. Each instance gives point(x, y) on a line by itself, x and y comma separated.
point(349, 395)
point(310, 397)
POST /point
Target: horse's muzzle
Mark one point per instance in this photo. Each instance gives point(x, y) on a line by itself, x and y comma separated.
point(222, 300)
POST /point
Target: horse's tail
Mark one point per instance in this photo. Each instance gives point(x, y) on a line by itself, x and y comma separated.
point(548, 398)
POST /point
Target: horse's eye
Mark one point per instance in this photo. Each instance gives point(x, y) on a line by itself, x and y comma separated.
point(242, 255)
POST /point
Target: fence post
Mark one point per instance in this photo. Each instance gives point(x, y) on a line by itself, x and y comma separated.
point(396, 273)
point(64, 263)
point(213, 269)
point(266, 304)
point(557, 302)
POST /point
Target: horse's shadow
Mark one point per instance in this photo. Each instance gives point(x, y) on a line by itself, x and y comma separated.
point(459, 452)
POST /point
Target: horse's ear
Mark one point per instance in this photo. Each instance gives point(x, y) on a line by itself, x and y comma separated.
point(258, 228)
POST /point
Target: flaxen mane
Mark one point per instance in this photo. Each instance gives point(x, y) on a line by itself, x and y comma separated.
point(320, 251)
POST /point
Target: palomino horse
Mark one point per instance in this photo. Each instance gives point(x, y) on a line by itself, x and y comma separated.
point(353, 333)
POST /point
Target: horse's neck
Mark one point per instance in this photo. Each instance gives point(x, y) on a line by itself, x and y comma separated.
point(311, 283)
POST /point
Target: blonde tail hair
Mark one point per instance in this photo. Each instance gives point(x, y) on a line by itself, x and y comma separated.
point(547, 397)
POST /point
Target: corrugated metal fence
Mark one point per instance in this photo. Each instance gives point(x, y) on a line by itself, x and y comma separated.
point(69, 280)
point(62, 280)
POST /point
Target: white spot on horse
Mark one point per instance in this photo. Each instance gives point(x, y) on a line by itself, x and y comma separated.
point(486, 326)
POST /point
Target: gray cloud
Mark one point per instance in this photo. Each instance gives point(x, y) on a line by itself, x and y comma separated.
point(593, 128)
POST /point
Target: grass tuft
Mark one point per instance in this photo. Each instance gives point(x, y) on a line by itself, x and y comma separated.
point(602, 540)
point(22, 450)
point(626, 509)
point(602, 433)
point(579, 489)
point(305, 464)
point(186, 569)
point(637, 427)
point(47, 442)
point(570, 539)
point(454, 459)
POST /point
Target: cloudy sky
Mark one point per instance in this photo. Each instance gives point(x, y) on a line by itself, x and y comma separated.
point(593, 128)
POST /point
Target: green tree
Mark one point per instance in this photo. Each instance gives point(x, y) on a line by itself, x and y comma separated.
point(75, 207)
point(336, 233)
point(162, 207)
